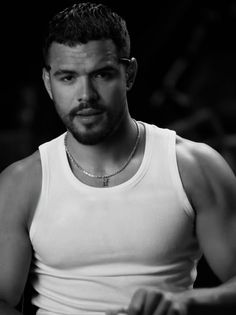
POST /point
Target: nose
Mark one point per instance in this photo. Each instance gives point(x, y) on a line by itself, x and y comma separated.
point(86, 90)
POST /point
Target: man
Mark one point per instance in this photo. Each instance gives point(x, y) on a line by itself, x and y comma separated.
point(113, 215)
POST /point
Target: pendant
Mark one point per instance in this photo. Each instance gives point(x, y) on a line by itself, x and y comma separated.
point(105, 181)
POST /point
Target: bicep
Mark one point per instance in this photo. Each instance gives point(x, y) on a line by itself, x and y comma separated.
point(15, 246)
point(15, 261)
point(217, 235)
point(215, 200)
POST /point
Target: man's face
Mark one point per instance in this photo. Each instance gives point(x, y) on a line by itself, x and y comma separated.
point(88, 86)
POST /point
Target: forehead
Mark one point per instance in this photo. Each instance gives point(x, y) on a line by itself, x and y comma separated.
point(82, 55)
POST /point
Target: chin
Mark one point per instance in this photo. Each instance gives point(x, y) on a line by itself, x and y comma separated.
point(93, 134)
point(91, 137)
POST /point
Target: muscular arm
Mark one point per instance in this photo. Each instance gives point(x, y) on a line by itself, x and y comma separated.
point(19, 190)
point(211, 187)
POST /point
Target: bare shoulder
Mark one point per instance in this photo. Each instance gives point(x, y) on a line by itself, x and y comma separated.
point(19, 167)
point(197, 154)
point(20, 185)
point(22, 174)
point(204, 172)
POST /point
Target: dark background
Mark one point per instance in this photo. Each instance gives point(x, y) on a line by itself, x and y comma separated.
point(186, 79)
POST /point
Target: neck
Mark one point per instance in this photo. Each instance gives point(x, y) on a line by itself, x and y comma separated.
point(107, 156)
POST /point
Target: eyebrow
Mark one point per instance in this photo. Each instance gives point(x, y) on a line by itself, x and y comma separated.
point(61, 72)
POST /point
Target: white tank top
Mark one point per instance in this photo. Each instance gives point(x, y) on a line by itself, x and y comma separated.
point(94, 247)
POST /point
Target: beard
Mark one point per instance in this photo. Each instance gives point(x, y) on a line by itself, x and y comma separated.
point(95, 132)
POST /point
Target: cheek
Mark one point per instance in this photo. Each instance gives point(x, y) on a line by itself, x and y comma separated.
point(119, 97)
point(115, 94)
point(62, 98)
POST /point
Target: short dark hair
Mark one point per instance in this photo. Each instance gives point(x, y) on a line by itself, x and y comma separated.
point(83, 22)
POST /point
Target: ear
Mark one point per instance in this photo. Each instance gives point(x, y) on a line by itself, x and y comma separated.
point(131, 72)
point(47, 82)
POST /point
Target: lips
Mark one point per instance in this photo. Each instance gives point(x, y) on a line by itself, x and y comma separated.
point(89, 112)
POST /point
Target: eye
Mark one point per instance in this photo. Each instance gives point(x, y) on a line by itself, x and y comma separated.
point(67, 78)
point(104, 75)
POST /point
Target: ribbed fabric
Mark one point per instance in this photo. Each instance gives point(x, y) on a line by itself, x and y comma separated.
point(95, 246)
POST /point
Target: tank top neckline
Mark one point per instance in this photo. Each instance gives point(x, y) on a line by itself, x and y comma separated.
point(125, 185)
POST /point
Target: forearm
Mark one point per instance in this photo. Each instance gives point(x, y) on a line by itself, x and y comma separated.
point(5, 309)
point(218, 300)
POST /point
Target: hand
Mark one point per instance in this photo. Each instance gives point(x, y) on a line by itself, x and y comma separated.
point(158, 302)
point(203, 301)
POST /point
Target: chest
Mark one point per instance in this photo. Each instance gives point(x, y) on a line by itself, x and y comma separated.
point(141, 227)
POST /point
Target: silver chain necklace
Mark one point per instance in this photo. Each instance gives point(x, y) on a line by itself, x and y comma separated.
point(105, 178)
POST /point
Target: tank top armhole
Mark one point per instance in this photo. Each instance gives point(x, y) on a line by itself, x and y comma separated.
point(176, 178)
point(43, 193)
